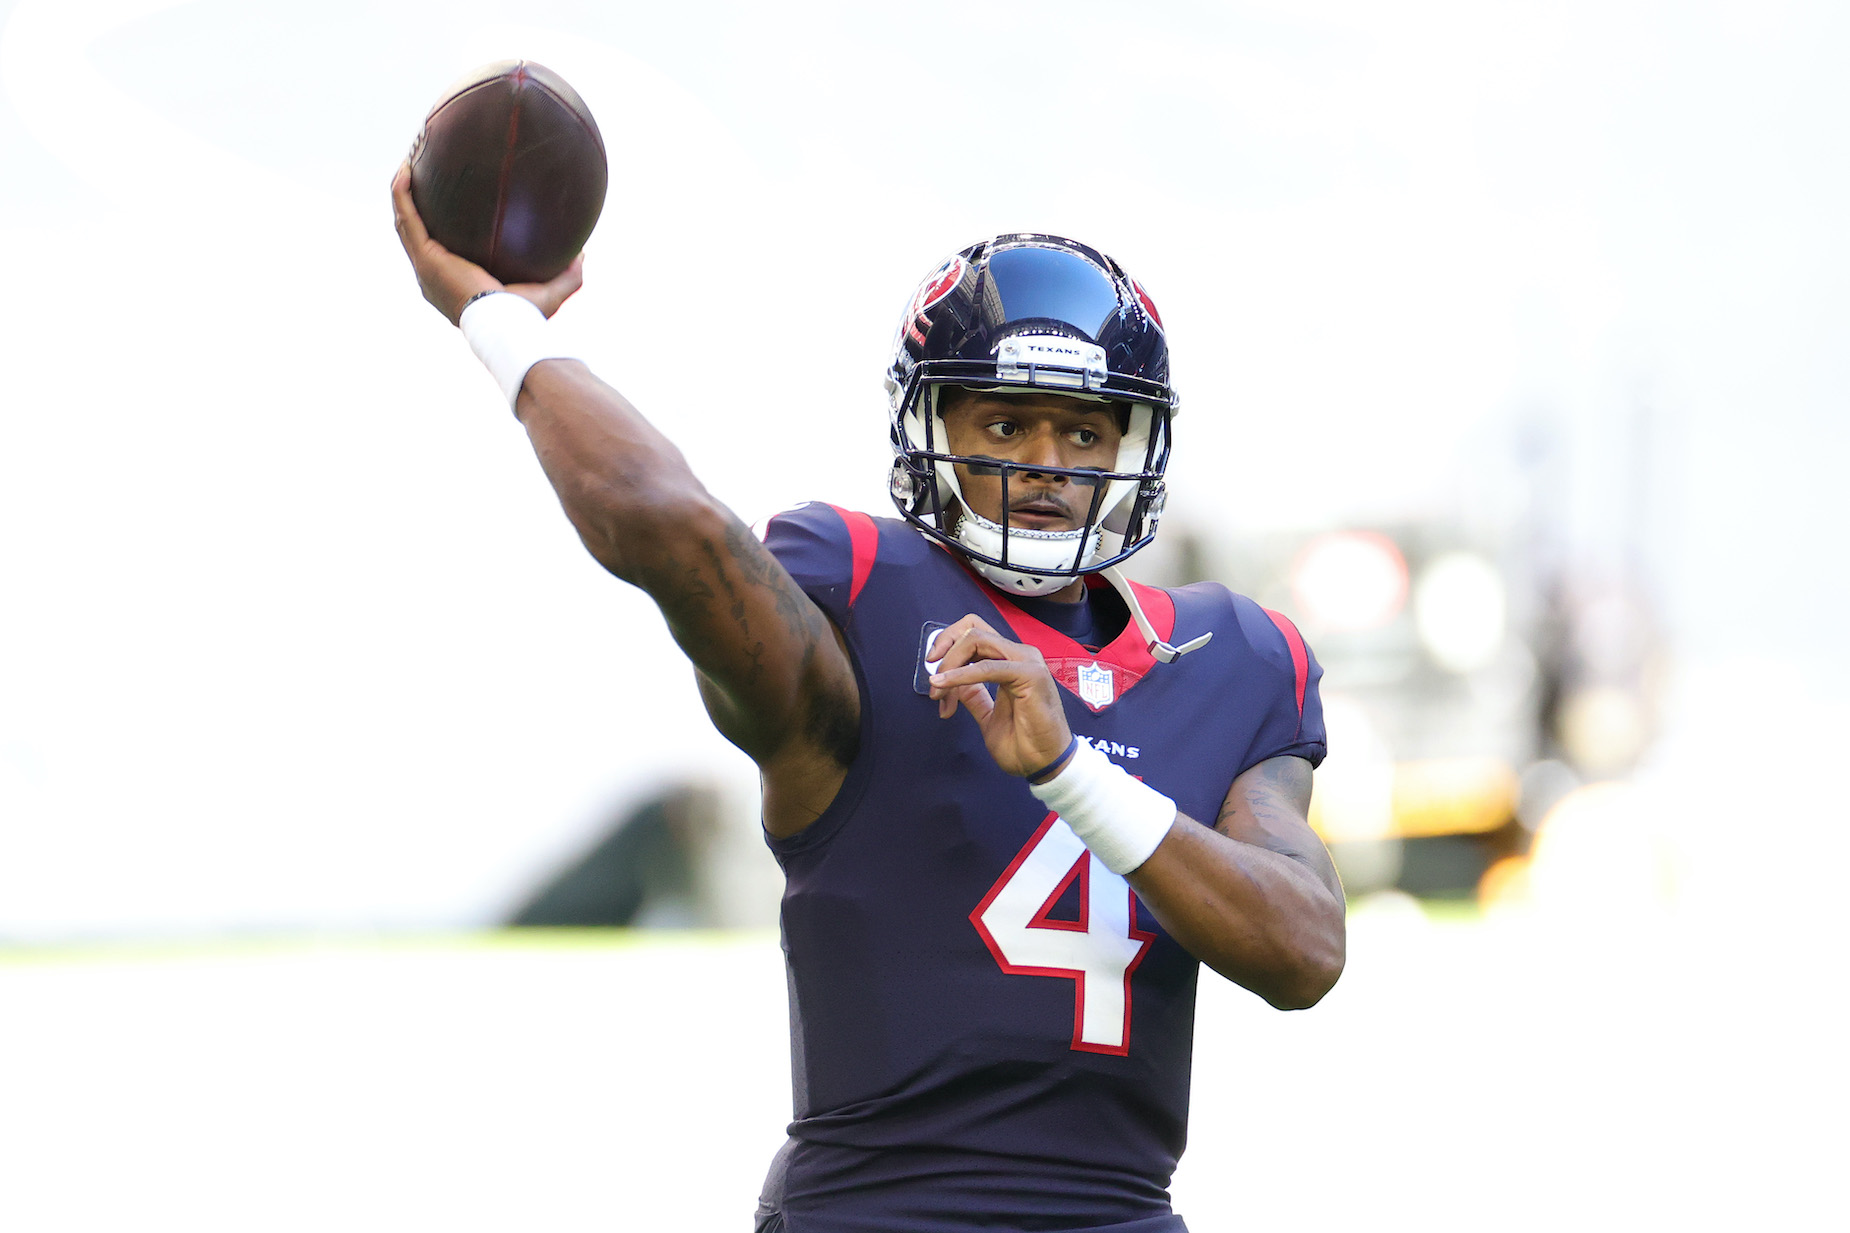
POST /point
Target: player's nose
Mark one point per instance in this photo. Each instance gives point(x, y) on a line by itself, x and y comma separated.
point(1042, 450)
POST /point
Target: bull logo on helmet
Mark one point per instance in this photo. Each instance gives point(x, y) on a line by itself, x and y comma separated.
point(1149, 305)
point(940, 284)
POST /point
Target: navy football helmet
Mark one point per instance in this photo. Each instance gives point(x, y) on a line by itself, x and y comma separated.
point(1039, 313)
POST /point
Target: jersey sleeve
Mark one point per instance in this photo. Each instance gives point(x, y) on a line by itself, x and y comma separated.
point(828, 551)
point(1292, 723)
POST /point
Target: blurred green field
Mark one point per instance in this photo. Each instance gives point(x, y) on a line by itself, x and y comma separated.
point(1468, 1073)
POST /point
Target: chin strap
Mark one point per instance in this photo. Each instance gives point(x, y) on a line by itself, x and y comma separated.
point(1161, 651)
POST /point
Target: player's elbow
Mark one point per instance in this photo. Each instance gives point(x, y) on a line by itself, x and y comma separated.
point(1306, 990)
point(635, 525)
point(1316, 966)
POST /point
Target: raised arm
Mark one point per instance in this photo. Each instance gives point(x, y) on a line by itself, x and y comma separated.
point(773, 671)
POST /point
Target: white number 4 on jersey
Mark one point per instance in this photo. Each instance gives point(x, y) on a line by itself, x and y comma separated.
point(1098, 951)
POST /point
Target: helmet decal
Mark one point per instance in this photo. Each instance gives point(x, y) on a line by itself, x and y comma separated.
point(942, 282)
point(1149, 305)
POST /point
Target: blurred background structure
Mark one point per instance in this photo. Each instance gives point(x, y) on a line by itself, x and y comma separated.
point(1512, 344)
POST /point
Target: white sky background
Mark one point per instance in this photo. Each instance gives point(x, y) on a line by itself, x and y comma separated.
point(293, 633)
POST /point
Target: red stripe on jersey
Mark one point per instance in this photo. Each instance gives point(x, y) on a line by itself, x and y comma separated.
point(1157, 604)
point(1300, 658)
point(1127, 651)
point(864, 536)
point(1127, 654)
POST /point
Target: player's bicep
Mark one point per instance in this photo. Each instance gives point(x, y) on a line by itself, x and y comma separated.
point(1268, 806)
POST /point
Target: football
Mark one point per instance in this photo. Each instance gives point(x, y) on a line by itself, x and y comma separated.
point(509, 171)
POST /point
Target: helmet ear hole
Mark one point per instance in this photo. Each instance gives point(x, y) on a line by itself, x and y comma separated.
point(905, 486)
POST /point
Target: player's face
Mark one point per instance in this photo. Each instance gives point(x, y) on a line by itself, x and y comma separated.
point(1035, 429)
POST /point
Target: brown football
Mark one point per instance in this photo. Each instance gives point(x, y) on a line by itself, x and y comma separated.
point(509, 171)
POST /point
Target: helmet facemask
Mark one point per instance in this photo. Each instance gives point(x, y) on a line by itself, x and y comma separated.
point(1120, 516)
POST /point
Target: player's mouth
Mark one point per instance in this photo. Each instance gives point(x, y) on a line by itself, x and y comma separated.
point(1042, 513)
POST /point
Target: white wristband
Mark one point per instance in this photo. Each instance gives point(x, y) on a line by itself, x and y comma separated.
point(509, 334)
point(1120, 819)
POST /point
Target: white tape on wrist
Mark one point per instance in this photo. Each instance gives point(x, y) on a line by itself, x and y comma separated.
point(509, 334)
point(1120, 819)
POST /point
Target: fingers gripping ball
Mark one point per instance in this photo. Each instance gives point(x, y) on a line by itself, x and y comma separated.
point(509, 171)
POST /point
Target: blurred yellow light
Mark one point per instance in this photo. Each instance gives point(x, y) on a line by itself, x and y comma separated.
point(1600, 847)
point(1505, 884)
point(1453, 796)
point(1423, 798)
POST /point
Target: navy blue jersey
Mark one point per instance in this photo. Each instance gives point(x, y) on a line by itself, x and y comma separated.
point(987, 1028)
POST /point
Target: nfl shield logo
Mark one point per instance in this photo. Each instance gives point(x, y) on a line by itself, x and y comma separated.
point(1095, 686)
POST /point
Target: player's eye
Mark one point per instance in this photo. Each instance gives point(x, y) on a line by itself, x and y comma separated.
point(1085, 437)
point(1004, 428)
